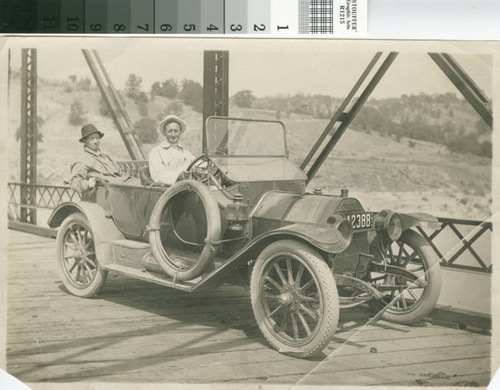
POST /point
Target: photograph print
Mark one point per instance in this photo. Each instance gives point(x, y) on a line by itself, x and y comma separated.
point(248, 212)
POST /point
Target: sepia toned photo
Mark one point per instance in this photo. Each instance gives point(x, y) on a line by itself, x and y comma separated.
point(248, 213)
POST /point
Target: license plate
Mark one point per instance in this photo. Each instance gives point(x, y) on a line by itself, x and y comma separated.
point(360, 220)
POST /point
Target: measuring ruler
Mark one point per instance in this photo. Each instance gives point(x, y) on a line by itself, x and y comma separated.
point(235, 17)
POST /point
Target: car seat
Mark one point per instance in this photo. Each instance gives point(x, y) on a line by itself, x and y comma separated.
point(145, 176)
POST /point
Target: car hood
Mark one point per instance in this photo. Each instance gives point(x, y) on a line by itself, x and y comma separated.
point(303, 208)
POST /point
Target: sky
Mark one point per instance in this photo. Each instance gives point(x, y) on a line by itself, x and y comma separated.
point(266, 67)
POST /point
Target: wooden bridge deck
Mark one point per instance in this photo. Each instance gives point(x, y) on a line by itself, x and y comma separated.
point(140, 332)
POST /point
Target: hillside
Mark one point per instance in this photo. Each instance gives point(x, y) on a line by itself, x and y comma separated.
point(383, 170)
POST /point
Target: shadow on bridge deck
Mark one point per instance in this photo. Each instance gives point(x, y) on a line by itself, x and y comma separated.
point(140, 332)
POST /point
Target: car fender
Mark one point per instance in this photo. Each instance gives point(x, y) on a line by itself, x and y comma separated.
point(325, 238)
point(409, 220)
point(103, 228)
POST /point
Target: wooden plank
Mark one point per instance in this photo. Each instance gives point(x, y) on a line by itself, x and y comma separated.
point(34, 229)
point(447, 373)
point(140, 332)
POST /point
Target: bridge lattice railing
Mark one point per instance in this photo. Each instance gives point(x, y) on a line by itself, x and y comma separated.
point(468, 253)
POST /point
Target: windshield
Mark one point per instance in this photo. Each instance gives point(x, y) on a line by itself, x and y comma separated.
point(233, 137)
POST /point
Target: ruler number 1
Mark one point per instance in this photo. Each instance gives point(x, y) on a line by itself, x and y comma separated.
point(282, 27)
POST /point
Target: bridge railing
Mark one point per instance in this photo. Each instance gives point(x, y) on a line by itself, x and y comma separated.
point(459, 243)
point(472, 251)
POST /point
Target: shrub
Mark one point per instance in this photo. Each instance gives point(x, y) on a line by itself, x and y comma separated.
point(76, 113)
point(146, 130)
point(175, 107)
point(103, 108)
point(143, 108)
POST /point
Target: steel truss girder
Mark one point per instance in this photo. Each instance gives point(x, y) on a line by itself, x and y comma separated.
point(346, 119)
point(464, 83)
point(114, 104)
point(28, 133)
point(215, 86)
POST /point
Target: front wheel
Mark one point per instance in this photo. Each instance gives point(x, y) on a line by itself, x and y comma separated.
point(294, 298)
point(77, 263)
point(406, 302)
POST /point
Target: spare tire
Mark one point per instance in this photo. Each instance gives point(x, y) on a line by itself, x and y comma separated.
point(171, 201)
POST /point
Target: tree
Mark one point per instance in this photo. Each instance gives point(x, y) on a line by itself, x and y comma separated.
point(103, 108)
point(168, 89)
point(192, 94)
point(143, 108)
point(76, 113)
point(84, 84)
point(244, 99)
point(146, 130)
point(133, 85)
point(175, 108)
point(482, 127)
point(39, 136)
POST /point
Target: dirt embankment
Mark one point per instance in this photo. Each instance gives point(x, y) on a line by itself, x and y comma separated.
point(381, 171)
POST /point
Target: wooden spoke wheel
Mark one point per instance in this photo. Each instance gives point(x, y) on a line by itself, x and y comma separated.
point(408, 301)
point(294, 298)
point(77, 262)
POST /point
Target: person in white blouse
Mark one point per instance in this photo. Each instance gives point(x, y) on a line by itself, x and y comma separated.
point(169, 159)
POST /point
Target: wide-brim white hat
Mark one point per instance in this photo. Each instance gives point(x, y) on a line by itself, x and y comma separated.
point(171, 118)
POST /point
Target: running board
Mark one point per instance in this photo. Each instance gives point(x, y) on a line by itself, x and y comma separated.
point(153, 277)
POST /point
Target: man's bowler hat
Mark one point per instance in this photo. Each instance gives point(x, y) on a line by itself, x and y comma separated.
point(89, 129)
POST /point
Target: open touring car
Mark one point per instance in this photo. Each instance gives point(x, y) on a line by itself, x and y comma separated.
point(241, 215)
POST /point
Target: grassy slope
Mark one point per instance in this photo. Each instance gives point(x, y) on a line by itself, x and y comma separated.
point(383, 173)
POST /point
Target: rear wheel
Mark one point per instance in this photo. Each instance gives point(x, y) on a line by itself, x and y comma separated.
point(77, 262)
point(406, 302)
point(294, 298)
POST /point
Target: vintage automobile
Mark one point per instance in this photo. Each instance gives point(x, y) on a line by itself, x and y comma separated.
point(241, 215)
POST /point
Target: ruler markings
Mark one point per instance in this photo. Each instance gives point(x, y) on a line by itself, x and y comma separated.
point(142, 16)
point(166, 16)
point(304, 16)
point(321, 16)
point(72, 16)
point(285, 17)
point(119, 16)
point(189, 17)
point(197, 17)
point(49, 16)
point(259, 16)
point(96, 16)
point(212, 17)
point(236, 16)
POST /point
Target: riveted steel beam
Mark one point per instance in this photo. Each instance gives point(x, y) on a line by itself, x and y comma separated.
point(114, 104)
point(215, 86)
point(347, 118)
point(28, 133)
point(464, 83)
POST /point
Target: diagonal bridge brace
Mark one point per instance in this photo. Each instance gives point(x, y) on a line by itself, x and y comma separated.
point(344, 118)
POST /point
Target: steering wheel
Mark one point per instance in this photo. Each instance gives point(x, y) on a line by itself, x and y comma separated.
point(200, 168)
